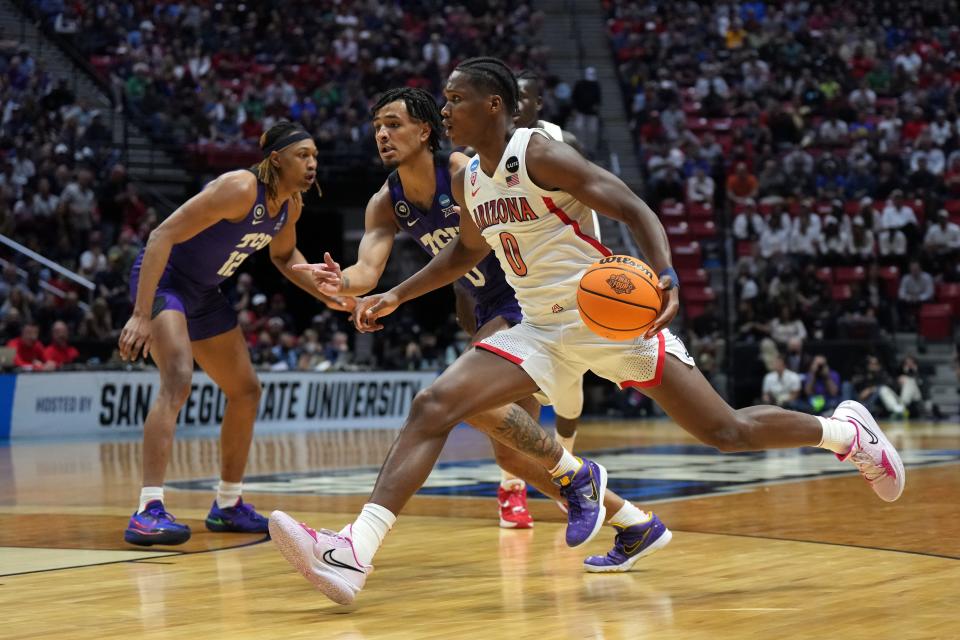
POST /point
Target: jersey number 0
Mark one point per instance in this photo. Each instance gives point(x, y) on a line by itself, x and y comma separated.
point(511, 251)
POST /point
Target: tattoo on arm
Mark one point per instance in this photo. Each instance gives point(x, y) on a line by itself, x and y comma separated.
point(526, 435)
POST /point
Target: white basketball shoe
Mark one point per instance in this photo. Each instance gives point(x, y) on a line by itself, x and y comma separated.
point(323, 557)
point(877, 459)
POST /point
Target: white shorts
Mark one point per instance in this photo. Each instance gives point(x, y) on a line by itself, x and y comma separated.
point(557, 357)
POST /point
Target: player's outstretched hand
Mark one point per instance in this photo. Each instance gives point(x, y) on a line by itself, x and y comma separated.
point(341, 303)
point(326, 275)
point(135, 338)
point(371, 308)
point(669, 309)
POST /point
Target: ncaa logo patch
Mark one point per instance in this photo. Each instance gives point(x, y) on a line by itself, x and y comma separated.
point(513, 164)
point(402, 209)
point(444, 200)
point(474, 164)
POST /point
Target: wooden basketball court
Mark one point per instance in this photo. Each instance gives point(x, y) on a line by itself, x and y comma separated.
point(781, 545)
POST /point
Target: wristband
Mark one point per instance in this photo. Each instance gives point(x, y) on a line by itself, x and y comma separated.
point(674, 280)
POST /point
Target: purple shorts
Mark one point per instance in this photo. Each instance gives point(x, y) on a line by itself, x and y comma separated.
point(506, 307)
point(207, 310)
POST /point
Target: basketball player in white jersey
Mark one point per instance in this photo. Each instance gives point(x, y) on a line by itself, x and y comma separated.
point(530, 104)
point(529, 198)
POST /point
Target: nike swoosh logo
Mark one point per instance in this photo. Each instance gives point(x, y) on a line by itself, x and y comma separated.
point(873, 437)
point(329, 559)
point(631, 549)
point(256, 222)
point(473, 194)
point(410, 223)
point(594, 493)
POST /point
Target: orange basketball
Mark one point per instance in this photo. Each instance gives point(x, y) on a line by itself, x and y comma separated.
point(618, 297)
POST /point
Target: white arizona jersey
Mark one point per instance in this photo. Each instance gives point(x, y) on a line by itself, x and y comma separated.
point(555, 132)
point(544, 239)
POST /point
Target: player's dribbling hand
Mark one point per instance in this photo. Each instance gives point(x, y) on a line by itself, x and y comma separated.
point(327, 277)
point(372, 308)
point(135, 338)
point(669, 308)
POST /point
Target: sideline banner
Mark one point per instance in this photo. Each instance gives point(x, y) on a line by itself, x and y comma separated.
point(98, 402)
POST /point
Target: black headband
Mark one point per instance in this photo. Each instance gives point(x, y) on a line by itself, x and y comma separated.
point(282, 143)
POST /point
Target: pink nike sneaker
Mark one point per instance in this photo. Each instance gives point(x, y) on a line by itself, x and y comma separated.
point(877, 459)
point(325, 558)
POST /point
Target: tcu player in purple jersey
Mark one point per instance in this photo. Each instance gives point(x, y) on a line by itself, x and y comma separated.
point(180, 315)
point(416, 200)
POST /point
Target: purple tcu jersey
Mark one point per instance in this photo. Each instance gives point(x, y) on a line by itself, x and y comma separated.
point(214, 254)
point(434, 229)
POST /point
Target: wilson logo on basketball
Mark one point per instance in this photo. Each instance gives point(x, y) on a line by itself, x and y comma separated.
point(621, 284)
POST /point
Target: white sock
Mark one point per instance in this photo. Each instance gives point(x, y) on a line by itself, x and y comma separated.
point(369, 530)
point(567, 441)
point(228, 493)
point(629, 515)
point(838, 435)
point(510, 482)
point(149, 494)
point(567, 463)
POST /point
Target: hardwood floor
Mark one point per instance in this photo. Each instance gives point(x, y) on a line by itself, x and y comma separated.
point(781, 545)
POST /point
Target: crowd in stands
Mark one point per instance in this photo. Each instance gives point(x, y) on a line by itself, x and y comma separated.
point(222, 73)
point(823, 137)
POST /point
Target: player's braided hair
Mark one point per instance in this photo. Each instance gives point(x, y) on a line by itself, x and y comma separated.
point(420, 105)
point(268, 174)
point(494, 75)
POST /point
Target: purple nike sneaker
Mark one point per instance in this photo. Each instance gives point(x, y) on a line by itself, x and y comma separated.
point(584, 491)
point(240, 518)
point(630, 545)
point(154, 525)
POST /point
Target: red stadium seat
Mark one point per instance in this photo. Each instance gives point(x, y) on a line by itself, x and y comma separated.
point(700, 210)
point(703, 229)
point(693, 277)
point(678, 233)
point(891, 281)
point(936, 321)
point(694, 294)
point(949, 293)
point(687, 256)
point(672, 209)
point(744, 248)
point(846, 275)
point(825, 275)
point(841, 292)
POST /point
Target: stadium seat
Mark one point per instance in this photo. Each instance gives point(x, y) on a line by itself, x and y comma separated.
point(841, 292)
point(744, 248)
point(703, 229)
point(891, 280)
point(693, 277)
point(846, 275)
point(695, 294)
point(700, 210)
point(687, 256)
point(936, 321)
point(949, 293)
point(825, 275)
